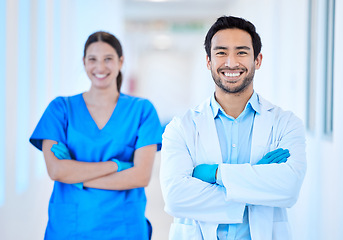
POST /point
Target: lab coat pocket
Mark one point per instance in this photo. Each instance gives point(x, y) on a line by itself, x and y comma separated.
point(62, 221)
point(180, 231)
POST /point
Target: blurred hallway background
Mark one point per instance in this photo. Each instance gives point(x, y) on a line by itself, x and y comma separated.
point(41, 48)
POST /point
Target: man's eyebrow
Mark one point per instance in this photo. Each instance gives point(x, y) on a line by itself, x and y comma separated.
point(243, 47)
point(220, 48)
point(226, 48)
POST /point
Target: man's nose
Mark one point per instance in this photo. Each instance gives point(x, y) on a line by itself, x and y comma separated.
point(231, 62)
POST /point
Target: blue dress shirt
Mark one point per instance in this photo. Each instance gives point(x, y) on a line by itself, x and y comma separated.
point(235, 143)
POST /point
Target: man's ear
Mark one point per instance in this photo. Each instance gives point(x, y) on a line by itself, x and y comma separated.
point(208, 62)
point(258, 61)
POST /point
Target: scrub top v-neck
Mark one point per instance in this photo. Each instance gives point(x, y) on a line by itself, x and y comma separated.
point(95, 213)
point(91, 117)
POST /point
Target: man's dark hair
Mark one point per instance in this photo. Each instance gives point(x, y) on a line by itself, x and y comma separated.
point(230, 22)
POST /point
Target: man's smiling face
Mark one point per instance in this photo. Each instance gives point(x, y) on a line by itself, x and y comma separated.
point(232, 62)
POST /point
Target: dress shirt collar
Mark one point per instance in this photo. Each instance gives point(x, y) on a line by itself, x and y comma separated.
point(253, 103)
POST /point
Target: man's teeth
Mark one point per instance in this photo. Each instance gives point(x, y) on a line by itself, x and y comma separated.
point(100, 75)
point(231, 74)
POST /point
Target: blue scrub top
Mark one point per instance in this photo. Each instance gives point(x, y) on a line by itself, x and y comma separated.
point(95, 213)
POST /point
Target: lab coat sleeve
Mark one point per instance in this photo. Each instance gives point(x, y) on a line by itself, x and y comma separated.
point(185, 196)
point(274, 185)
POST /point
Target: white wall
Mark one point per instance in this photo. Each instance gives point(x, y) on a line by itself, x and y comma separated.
point(324, 192)
point(174, 78)
point(40, 58)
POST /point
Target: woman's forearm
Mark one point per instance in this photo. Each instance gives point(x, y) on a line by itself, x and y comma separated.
point(72, 171)
point(137, 176)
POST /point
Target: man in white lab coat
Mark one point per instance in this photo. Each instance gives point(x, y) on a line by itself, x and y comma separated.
point(231, 166)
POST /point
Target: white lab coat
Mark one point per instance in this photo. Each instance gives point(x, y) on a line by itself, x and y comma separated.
point(267, 190)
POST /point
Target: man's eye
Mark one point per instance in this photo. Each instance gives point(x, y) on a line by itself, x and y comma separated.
point(91, 59)
point(242, 53)
point(220, 53)
point(108, 59)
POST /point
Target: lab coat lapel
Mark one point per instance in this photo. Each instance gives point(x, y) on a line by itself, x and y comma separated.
point(262, 131)
point(207, 133)
point(261, 217)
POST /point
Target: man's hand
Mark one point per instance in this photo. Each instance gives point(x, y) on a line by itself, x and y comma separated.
point(277, 156)
point(206, 172)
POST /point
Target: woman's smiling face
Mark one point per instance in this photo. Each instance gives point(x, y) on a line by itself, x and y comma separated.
point(102, 65)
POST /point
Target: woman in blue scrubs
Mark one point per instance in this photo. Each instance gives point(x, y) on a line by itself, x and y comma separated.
point(99, 147)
